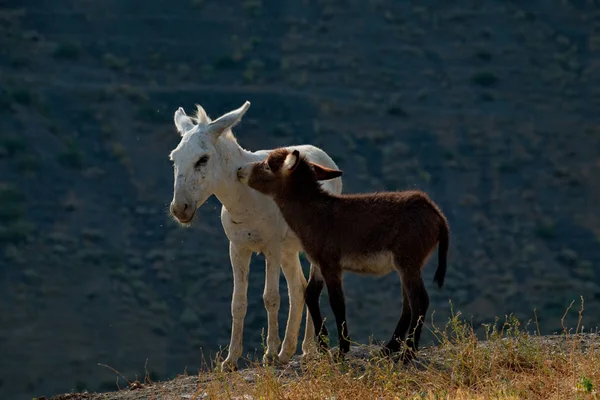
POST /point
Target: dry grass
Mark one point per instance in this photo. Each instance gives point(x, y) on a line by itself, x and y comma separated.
point(509, 363)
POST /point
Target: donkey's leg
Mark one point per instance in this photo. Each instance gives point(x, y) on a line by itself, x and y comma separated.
point(312, 295)
point(402, 327)
point(419, 303)
point(333, 280)
point(296, 285)
point(271, 300)
point(308, 345)
point(240, 263)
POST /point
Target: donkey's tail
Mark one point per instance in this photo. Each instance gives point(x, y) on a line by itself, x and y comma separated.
point(443, 239)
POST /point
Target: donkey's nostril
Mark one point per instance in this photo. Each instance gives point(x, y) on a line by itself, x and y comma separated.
point(239, 168)
point(185, 206)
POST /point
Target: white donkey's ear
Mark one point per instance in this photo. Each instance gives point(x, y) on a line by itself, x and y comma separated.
point(227, 121)
point(183, 123)
point(201, 115)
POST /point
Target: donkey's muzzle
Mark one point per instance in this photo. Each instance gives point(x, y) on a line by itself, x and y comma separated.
point(243, 173)
point(184, 212)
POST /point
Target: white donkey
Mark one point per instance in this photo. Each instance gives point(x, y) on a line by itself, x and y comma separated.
point(206, 162)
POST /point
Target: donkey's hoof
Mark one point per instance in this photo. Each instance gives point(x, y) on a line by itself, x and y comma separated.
point(385, 352)
point(338, 355)
point(271, 359)
point(286, 352)
point(308, 357)
point(407, 356)
point(309, 351)
point(229, 366)
point(344, 347)
point(323, 346)
point(283, 359)
point(309, 354)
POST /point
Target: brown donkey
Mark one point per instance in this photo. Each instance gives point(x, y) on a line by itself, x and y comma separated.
point(364, 233)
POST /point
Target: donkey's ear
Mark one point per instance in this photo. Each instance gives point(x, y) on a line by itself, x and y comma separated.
point(324, 173)
point(227, 121)
point(201, 116)
point(183, 123)
point(291, 161)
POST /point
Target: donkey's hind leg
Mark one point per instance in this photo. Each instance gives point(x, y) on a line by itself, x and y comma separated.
point(419, 303)
point(401, 328)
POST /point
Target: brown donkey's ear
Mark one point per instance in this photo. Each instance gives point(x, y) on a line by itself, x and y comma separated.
point(324, 173)
point(291, 161)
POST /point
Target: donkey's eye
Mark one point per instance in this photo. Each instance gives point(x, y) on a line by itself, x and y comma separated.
point(266, 167)
point(203, 160)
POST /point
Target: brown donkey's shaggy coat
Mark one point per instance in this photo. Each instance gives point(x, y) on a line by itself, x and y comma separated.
point(363, 233)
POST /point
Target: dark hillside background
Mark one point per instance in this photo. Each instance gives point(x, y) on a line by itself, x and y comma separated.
point(491, 106)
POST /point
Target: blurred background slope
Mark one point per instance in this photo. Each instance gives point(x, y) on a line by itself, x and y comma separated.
point(492, 107)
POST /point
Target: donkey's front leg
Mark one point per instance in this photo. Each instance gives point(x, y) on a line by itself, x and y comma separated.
point(240, 263)
point(312, 295)
point(271, 300)
point(335, 290)
point(309, 344)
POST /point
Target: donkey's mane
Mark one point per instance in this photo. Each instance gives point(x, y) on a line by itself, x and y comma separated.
point(196, 117)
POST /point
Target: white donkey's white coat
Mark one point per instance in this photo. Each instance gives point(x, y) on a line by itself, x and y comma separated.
point(206, 162)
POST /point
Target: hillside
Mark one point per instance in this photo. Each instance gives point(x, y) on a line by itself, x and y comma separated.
point(510, 364)
point(490, 106)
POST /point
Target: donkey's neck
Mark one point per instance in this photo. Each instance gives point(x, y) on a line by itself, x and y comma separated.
point(301, 207)
point(232, 193)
